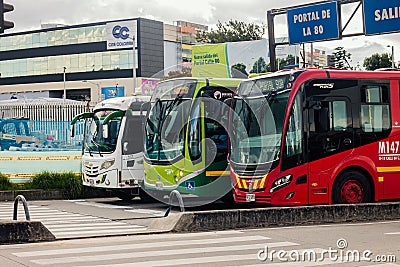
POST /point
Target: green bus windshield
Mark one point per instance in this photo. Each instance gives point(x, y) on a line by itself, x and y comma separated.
point(165, 124)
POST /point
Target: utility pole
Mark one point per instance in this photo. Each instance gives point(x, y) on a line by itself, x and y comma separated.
point(65, 91)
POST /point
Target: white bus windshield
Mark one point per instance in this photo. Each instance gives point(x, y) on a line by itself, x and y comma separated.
point(102, 137)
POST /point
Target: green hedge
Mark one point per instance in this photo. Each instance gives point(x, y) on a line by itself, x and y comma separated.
point(5, 183)
point(70, 184)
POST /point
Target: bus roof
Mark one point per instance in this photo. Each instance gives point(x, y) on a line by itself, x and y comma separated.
point(217, 81)
point(121, 103)
point(336, 73)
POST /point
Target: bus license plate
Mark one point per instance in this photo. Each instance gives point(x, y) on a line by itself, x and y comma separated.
point(250, 197)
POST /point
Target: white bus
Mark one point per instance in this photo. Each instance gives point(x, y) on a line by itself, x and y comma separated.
point(113, 146)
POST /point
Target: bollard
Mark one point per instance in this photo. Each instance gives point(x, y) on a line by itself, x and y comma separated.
point(180, 201)
point(17, 199)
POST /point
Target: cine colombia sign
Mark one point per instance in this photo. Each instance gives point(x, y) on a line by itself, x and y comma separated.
point(381, 16)
point(313, 23)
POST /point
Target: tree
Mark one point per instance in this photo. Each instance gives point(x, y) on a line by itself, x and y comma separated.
point(239, 69)
point(232, 31)
point(377, 61)
point(341, 58)
point(260, 66)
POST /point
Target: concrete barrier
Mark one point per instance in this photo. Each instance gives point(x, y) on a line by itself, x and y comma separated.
point(33, 194)
point(276, 216)
point(23, 231)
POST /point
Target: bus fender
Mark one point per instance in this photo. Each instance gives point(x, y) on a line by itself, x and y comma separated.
point(355, 162)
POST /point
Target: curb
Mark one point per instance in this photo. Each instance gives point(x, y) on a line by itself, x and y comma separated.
point(36, 194)
point(277, 217)
point(23, 231)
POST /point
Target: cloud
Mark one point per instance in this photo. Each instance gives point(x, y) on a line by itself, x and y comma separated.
point(28, 15)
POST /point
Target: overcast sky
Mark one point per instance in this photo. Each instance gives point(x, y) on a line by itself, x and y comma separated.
point(28, 15)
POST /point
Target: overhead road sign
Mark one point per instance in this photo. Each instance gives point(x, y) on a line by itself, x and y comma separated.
point(381, 16)
point(313, 23)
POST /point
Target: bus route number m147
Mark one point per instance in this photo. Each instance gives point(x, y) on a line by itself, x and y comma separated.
point(389, 150)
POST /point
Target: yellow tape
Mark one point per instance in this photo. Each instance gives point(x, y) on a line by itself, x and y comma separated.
point(28, 175)
point(17, 158)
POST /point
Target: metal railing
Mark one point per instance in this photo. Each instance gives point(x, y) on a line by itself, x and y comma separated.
point(25, 204)
point(180, 201)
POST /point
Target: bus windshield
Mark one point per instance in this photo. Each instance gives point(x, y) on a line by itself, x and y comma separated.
point(164, 129)
point(102, 131)
point(258, 119)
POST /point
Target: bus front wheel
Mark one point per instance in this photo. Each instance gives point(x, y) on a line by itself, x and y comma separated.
point(351, 187)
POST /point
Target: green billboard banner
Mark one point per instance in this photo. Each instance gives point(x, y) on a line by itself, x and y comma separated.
point(210, 61)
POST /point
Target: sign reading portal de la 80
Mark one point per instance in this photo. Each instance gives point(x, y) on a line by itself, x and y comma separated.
point(313, 23)
point(381, 16)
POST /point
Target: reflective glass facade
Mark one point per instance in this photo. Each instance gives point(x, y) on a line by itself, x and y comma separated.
point(98, 61)
point(40, 56)
point(54, 37)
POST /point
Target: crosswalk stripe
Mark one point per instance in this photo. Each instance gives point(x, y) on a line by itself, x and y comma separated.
point(106, 226)
point(176, 262)
point(382, 265)
point(394, 233)
point(125, 208)
point(143, 245)
point(55, 226)
point(68, 225)
point(171, 252)
point(64, 234)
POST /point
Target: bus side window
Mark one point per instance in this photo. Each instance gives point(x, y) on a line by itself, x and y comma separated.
point(375, 113)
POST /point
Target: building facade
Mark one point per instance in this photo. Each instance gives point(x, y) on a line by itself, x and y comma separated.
point(79, 61)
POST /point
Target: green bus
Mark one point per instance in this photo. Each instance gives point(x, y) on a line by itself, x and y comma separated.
point(186, 139)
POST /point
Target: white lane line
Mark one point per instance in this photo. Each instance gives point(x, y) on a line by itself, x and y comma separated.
point(171, 252)
point(143, 245)
point(394, 233)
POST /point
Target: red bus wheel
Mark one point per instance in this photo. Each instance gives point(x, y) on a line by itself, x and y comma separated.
point(351, 187)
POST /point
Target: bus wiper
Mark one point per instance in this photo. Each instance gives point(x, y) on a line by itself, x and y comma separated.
point(89, 148)
point(97, 146)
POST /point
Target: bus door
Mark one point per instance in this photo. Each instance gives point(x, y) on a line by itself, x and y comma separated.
point(330, 132)
point(215, 126)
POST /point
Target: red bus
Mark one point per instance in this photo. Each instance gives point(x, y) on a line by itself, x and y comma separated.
point(316, 137)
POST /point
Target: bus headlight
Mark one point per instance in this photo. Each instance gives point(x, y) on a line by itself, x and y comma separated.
point(281, 182)
point(107, 164)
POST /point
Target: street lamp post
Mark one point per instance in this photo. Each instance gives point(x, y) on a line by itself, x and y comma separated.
point(98, 88)
point(393, 66)
point(65, 91)
point(134, 62)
